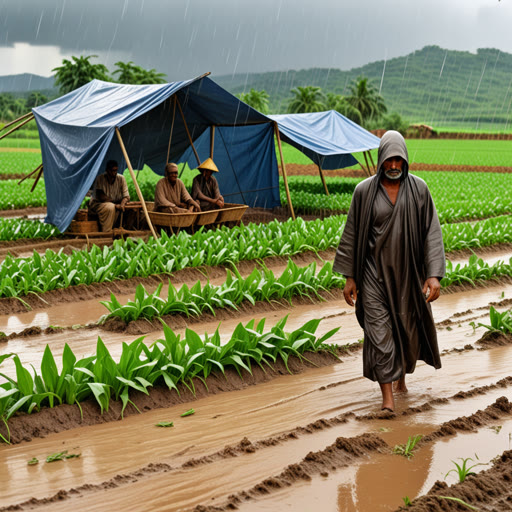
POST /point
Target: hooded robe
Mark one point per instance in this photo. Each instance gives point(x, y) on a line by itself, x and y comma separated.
point(390, 251)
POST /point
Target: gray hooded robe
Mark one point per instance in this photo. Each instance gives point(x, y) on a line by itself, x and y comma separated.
point(390, 250)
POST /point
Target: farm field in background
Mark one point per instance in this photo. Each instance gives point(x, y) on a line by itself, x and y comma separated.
point(245, 378)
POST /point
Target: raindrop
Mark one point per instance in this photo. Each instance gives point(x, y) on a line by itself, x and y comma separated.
point(39, 24)
point(125, 5)
point(383, 71)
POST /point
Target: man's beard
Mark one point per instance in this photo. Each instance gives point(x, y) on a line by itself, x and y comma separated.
point(393, 177)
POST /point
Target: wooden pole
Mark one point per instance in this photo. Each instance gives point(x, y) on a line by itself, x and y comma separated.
point(30, 174)
point(373, 163)
point(37, 178)
point(16, 120)
point(367, 164)
point(365, 170)
point(188, 133)
point(276, 131)
point(139, 193)
point(172, 127)
point(212, 139)
point(17, 127)
point(323, 179)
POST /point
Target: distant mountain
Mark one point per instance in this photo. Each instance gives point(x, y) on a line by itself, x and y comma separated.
point(26, 83)
point(432, 85)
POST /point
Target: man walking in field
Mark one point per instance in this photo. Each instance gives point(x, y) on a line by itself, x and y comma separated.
point(392, 255)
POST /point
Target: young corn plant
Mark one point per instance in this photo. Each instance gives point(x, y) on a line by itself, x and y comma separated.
point(406, 450)
point(501, 322)
point(463, 470)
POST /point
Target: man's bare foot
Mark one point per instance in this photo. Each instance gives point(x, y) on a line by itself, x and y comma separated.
point(388, 402)
point(399, 386)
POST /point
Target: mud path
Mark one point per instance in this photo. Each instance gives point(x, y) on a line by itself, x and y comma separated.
point(300, 430)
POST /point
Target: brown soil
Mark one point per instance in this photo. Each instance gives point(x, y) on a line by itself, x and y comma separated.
point(489, 490)
point(24, 427)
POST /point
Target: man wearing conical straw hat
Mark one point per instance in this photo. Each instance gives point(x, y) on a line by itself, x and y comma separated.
point(205, 188)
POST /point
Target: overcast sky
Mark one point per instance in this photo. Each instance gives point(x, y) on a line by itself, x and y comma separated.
point(185, 38)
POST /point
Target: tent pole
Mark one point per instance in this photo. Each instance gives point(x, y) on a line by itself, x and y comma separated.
point(16, 120)
point(276, 131)
point(172, 127)
point(367, 164)
point(17, 127)
point(132, 174)
point(373, 163)
point(212, 139)
point(188, 133)
point(323, 179)
point(37, 178)
point(30, 174)
point(365, 170)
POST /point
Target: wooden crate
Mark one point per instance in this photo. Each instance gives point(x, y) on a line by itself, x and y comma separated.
point(83, 226)
point(231, 212)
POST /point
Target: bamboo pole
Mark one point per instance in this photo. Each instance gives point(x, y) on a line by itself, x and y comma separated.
point(139, 193)
point(373, 163)
point(365, 170)
point(276, 131)
point(30, 174)
point(37, 178)
point(323, 179)
point(188, 133)
point(367, 164)
point(172, 127)
point(212, 140)
point(16, 127)
point(16, 120)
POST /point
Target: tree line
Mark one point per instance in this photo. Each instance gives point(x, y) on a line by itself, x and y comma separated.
point(363, 104)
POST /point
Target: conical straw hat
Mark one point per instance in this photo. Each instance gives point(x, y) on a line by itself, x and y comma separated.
point(208, 165)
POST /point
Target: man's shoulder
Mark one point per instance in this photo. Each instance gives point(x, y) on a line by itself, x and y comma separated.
point(364, 186)
point(419, 183)
point(119, 177)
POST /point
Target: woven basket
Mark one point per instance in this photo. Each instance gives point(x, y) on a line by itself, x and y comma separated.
point(204, 218)
point(83, 226)
point(231, 212)
point(81, 215)
point(174, 220)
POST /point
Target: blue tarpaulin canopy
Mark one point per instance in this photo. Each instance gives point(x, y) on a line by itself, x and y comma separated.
point(327, 138)
point(77, 133)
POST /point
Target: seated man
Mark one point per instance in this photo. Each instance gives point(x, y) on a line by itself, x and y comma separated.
point(205, 188)
point(171, 196)
point(110, 195)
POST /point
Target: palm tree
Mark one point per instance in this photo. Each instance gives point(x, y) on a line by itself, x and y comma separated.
point(340, 104)
point(365, 98)
point(256, 99)
point(77, 72)
point(306, 99)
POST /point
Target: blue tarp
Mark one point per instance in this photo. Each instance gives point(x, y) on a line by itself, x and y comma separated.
point(77, 133)
point(327, 138)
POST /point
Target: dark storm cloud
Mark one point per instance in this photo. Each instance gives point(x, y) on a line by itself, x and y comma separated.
point(186, 38)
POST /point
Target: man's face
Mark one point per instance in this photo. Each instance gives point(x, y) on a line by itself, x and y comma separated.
point(207, 173)
point(112, 173)
point(393, 167)
point(172, 175)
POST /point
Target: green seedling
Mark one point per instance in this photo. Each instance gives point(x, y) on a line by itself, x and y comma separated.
point(407, 501)
point(449, 328)
point(406, 450)
point(61, 456)
point(496, 428)
point(458, 500)
point(385, 429)
point(33, 461)
point(164, 424)
point(463, 470)
point(188, 413)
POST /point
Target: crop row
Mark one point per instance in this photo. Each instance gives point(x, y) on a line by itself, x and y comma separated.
point(131, 258)
point(18, 162)
point(171, 361)
point(260, 285)
point(265, 286)
point(13, 196)
point(15, 229)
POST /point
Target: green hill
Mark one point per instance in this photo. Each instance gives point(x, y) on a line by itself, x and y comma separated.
point(434, 86)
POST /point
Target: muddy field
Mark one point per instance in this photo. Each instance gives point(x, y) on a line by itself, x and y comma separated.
point(311, 440)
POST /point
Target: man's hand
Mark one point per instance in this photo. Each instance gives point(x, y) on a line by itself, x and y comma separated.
point(220, 202)
point(431, 289)
point(350, 291)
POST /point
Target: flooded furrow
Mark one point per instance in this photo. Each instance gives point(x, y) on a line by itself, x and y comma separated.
point(258, 412)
